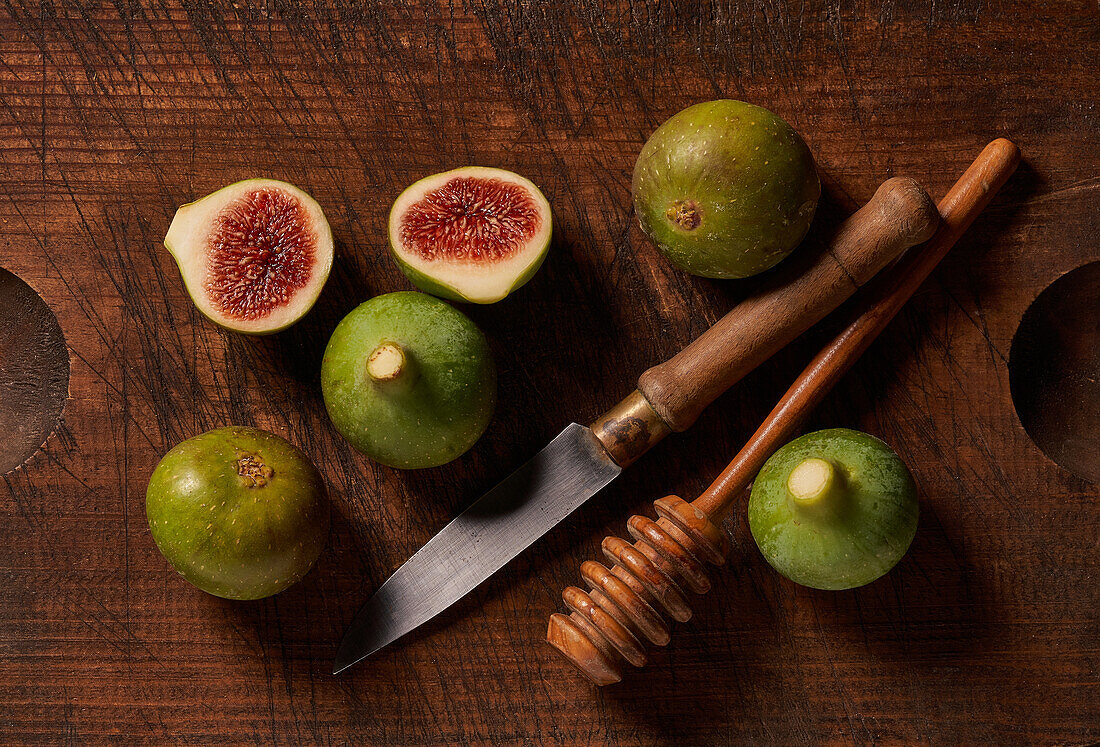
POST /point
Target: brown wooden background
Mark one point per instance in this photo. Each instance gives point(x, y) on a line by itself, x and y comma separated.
point(114, 113)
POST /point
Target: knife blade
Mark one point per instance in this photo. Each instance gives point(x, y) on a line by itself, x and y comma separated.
point(497, 527)
point(580, 461)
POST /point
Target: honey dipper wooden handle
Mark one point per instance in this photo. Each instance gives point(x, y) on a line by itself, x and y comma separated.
point(625, 604)
point(958, 209)
point(898, 216)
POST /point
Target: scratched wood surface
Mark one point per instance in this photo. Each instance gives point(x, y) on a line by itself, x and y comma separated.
point(114, 113)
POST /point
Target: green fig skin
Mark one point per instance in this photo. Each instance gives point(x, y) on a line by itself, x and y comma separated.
point(427, 283)
point(431, 285)
point(725, 189)
point(239, 512)
point(852, 536)
point(436, 407)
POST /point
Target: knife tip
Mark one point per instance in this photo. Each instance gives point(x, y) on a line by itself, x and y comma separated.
point(343, 661)
point(347, 656)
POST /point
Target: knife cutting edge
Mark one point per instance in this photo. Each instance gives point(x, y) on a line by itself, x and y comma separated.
point(581, 460)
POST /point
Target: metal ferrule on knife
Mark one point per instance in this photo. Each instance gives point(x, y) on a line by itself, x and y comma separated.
point(630, 429)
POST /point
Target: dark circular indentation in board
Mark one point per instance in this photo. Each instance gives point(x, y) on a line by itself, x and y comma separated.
point(34, 371)
point(1054, 371)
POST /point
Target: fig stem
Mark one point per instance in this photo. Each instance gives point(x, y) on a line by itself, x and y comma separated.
point(388, 364)
point(816, 484)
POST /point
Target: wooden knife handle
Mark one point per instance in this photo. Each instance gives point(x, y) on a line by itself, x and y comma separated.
point(671, 395)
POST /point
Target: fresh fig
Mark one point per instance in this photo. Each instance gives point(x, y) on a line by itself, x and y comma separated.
point(239, 512)
point(254, 255)
point(725, 189)
point(835, 509)
point(473, 234)
point(409, 380)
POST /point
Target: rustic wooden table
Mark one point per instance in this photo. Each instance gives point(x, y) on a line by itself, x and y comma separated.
point(113, 114)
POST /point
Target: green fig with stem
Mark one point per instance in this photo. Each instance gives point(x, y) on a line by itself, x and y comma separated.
point(834, 509)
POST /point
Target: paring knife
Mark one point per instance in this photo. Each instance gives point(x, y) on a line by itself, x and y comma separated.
point(670, 396)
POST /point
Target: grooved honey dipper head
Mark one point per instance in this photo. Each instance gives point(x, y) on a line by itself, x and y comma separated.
point(608, 624)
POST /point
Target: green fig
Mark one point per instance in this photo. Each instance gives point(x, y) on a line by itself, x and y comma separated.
point(834, 509)
point(239, 512)
point(409, 380)
point(725, 189)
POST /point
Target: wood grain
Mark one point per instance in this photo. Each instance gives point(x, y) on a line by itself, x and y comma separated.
point(113, 114)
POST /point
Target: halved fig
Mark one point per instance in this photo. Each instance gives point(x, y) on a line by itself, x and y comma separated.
point(472, 234)
point(254, 255)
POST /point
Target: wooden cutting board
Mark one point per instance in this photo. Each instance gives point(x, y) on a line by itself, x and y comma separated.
point(113, 114)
